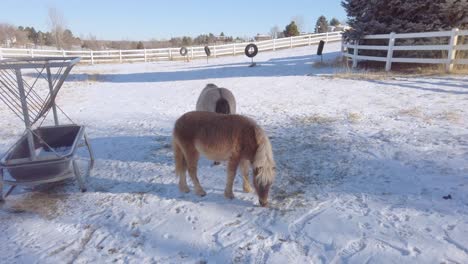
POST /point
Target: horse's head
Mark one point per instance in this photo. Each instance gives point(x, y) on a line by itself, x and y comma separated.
point(263, 179)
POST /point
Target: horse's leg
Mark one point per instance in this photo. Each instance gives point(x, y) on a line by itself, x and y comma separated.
point(181, 168)
point(192, 157)
point(245, 164)
point(231, 174)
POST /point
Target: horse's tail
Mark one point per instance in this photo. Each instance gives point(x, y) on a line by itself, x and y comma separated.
point(263, 163)
point(222, 106)
point(180, 162)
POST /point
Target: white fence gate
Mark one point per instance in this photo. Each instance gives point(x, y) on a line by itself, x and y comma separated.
point(452, 47)
point(89, 56)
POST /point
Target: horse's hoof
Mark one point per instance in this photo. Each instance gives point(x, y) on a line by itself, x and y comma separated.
point(247, 189)
point(184, 189)
point(201, 193)
point(229, 195)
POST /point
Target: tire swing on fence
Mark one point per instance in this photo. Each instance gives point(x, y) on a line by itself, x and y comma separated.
point(251, 51)
point(183, 52)
point(207, 52)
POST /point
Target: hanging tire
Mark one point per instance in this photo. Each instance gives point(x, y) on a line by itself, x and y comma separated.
point(183, 51)
point(251, 50)
point(207, 51)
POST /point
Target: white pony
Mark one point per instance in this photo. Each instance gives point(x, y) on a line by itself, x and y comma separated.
point(216, 99)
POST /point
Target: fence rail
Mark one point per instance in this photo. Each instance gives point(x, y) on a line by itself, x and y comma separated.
point(103, 56)
point(452, 47)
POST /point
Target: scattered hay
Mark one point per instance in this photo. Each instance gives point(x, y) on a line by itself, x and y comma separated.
point(315, 119)
point(45, 205)
point(354, 117)
point(413, 112)
point(450, 116)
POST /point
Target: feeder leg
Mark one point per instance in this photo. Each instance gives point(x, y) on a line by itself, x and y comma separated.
point(1, 185)
point(90, 150)
point(78, 177)
point(10, 190)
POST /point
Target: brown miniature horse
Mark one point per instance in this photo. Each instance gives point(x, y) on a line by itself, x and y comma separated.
point(234, 138)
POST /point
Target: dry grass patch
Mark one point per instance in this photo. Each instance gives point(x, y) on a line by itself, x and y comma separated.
point(368, 70)
point(413, 112)
point(354, 117)
point(315, 119)
point(42, 204)
point(450, 116)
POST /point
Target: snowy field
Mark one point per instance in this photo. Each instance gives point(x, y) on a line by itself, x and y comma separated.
point(363, 166)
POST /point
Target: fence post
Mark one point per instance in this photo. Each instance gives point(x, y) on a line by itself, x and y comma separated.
point(326, 37)
point(391, 43)
point(1, 54)
point(170, 53)
point(214, 51)
point(144, 52)
point(343, 57)
point(63, 53)
point(31, 51)
point(274, 44)
point(310, 40)
point(452, 50)
point(290, 42)
point(355, 54)
point(234, 49)
point(92, 57)
point(191, 52)
point(120, 56)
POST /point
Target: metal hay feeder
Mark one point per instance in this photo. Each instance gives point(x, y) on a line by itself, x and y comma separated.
point(44, 153)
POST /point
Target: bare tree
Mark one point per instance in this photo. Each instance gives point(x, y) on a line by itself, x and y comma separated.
point(274, 32)
point(21, 38)
point(7, 34)
point(12, 36)
point(57, 26)
point(91, 43)
point(299, 20)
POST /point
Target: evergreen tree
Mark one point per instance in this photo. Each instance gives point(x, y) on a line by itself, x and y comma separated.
point(385, 16)
point(291, 30)
point(186, 41)
point(334, 22)
point(140, 45)
point(322, 25)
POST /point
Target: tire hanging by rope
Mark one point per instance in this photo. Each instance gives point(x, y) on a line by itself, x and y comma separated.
point(183, 51)
point(207, 51)
point(251, 51)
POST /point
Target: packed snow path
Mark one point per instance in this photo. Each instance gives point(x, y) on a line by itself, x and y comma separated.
point(363, 166)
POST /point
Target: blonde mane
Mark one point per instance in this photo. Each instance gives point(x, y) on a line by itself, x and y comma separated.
point(263, 160)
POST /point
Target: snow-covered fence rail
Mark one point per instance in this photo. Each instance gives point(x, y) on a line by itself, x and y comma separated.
point(452, 47)
point(102, 56)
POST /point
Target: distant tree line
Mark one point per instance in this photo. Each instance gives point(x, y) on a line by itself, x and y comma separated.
point(61, 37)
point(296, 26)
point(22, 36)
point(11, 36)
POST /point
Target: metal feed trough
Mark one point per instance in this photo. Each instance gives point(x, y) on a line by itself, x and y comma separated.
point(28, 87)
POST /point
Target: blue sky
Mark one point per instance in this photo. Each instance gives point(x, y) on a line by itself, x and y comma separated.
point(145, 20)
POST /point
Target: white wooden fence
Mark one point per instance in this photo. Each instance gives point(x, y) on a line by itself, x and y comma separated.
point(102, 56)
point(452, 47)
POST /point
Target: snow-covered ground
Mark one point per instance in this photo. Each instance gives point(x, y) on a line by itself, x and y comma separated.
point(363, 166)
